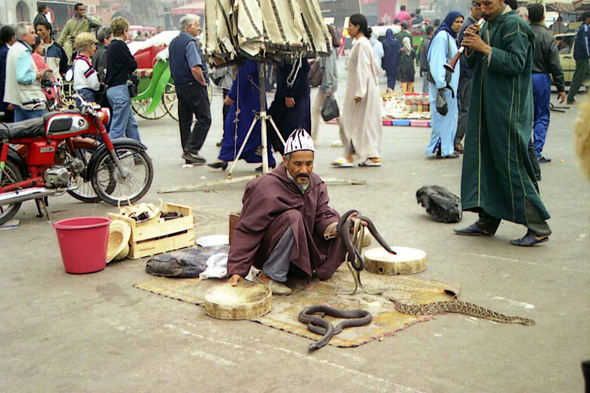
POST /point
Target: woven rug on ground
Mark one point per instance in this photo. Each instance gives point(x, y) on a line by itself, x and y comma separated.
point(386, 321)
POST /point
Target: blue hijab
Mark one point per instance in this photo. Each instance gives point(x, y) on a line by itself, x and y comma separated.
point(447, 23)
point(390, 41)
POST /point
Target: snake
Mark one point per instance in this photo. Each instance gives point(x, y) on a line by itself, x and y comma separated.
point(343, 229)
point(458, 307)
point(321, 326)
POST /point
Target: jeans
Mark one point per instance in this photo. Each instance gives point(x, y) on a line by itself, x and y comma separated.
point(425, 83)
point(21, 114)
point(193, 99)
point(88, 94)
point(541, 100)
point(123, 123)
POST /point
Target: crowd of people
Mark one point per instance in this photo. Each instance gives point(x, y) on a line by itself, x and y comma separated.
point(101, 68)
point(512, 49)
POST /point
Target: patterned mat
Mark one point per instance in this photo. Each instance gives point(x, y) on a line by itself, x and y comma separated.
point(386, 321)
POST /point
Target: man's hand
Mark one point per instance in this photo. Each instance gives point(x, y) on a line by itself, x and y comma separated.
point(561, 97)
point(84, 15)
point(228, 101)
point(41, 73)
point(353, 218)
point(234, 280)
point(474, 42)
point(328, 94)
point(358, 99)
point(290, 102)
point(10, 107)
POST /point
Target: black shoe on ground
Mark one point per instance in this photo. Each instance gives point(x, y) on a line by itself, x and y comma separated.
point(194, 159)
point(472, 230)
point(572, 102)
point(529, 240)
point(218, 164)
point(543, 160)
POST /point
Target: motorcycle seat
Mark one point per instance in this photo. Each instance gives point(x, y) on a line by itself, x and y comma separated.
point(31, 128)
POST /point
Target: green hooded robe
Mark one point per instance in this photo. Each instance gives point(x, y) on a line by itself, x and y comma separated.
point(497, 174)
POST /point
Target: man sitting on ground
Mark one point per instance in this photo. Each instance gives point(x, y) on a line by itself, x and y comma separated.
point(286, 224)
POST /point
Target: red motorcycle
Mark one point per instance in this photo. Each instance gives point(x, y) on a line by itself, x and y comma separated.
point(56, 153)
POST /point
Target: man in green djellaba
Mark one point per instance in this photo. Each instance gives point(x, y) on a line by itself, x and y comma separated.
point(498, 181)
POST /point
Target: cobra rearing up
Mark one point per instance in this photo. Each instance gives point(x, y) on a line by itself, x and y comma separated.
point(344, 229)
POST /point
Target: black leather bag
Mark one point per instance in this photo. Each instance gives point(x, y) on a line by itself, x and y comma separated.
point(132, 85)
point(442, 106)
point(316, 74)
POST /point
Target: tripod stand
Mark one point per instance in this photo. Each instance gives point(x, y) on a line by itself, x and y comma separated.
point(262, 117)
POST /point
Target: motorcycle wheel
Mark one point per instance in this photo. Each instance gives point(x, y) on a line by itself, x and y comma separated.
point(10, 174)
point(85, 192)
point(138, 170)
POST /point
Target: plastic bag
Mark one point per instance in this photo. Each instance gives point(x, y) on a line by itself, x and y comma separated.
point(187, 263)
point(330, 109)
point(441, 204)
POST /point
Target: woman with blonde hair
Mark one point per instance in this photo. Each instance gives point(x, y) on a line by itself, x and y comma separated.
point(120, 64)
point(86, 81)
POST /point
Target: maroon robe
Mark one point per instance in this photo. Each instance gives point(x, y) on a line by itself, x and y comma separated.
point(272, 203)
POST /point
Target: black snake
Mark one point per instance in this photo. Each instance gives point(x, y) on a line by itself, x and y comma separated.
point(319, 325)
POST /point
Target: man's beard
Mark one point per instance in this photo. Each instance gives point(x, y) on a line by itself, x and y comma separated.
point(301, 185)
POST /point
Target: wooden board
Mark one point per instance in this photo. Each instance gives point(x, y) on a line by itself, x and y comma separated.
point(407, 261)
point(246, 301)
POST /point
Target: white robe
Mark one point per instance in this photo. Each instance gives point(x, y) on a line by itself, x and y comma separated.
point(362, 122)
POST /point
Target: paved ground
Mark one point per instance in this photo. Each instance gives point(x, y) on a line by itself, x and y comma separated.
point(95, 333)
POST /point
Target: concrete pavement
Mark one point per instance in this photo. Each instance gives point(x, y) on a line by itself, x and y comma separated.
point(96, 333)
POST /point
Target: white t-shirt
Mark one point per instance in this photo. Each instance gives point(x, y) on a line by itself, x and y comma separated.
point(85, 76)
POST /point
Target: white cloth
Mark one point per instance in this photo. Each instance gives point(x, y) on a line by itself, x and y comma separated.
point(216, 267)
point(378, 51)
point(362, 122)
point(85, 76)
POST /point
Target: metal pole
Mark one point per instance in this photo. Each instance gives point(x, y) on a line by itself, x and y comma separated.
point(263, 136)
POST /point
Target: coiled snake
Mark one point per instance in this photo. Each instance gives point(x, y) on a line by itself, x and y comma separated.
point(319, 325)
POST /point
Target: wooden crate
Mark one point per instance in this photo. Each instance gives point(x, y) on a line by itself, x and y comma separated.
point(153, 237)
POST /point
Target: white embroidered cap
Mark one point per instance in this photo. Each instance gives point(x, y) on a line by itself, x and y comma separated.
point(298, 140)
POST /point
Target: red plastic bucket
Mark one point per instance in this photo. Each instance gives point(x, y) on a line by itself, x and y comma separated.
point(83, 243)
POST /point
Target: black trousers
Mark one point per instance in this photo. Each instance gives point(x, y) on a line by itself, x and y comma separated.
point(193, 99)
point(536, 225)
point(464, 96)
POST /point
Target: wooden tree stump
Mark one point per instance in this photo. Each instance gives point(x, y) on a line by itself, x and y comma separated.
point(246, 301)
point(407, 261)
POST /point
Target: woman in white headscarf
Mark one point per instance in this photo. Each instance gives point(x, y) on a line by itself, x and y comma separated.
point(406, 71)
point(362, 122)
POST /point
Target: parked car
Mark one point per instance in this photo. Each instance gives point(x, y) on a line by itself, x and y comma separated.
point(565, 45)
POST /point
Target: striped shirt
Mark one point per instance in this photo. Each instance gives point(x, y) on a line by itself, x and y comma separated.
point(85, 76)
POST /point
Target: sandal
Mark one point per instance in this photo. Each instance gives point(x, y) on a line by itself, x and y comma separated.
point(369, 163)
point(342, 163)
